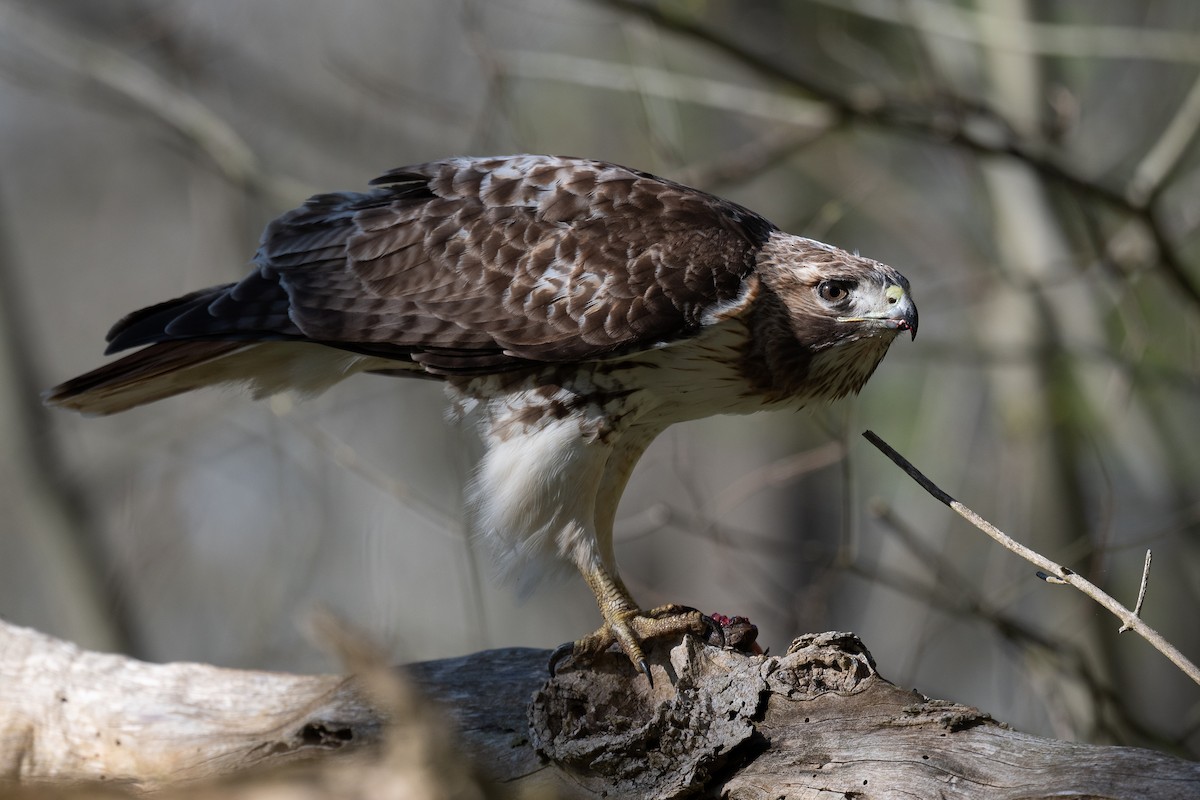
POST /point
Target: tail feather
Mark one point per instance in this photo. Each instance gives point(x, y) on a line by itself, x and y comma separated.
point(154, 373)
point(169, 368)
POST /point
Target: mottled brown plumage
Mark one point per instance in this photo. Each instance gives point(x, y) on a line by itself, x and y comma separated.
point(576, 307)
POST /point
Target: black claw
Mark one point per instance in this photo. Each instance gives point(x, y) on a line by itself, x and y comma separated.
point(562, 651)
point(646, 669)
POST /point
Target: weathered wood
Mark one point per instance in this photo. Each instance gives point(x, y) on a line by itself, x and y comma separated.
point(815, 721)
point(68, 714)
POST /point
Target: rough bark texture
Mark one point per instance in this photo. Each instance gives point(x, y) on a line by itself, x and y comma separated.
point(817, 721)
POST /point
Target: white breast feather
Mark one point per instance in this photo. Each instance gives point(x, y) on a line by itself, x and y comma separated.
point(533, 497)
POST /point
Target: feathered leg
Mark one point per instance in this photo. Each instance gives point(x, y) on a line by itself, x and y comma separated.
point(624, 622)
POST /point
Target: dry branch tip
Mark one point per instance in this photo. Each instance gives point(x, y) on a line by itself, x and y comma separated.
point(1137, 609)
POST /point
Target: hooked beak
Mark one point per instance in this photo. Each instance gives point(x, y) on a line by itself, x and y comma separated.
point(901, 314)
point(904, 316)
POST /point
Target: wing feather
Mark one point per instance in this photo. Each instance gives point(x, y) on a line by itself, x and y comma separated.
point(480, 264)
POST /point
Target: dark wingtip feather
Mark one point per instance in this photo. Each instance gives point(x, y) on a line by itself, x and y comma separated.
point(148, 325)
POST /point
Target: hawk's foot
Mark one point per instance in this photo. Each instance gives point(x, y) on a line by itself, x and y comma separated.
point(630, 629)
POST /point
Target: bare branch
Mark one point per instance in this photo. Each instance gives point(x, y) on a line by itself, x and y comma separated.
point(953, 21)
point(623, 77)
point(956, 121)
point(95, 63)
point(750, 159)
point(1150, 176)
point(1060, 573)
point(85, 577)
point(778, 473)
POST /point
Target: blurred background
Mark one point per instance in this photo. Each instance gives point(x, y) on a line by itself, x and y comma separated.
point(1032, 167)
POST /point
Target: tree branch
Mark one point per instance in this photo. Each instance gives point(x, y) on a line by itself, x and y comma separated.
point(95, 64)
point(954, 120)
point(963, 24)
point(1056, 572)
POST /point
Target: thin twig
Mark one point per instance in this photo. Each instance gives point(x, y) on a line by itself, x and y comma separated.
point(1137, 609)
point(751, 159)
point(777, 473)
point(346, 457)
point(1129, 619)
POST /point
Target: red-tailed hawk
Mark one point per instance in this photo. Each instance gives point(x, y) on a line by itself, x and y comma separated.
point(576, 307)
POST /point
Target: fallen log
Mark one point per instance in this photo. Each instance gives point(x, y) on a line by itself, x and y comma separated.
point(817, 720)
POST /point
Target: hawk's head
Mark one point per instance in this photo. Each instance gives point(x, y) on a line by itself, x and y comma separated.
point(840, 314)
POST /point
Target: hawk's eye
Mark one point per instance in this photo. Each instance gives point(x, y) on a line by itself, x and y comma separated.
point(834, 291)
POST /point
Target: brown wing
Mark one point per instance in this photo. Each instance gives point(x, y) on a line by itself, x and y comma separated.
point(472, 265)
